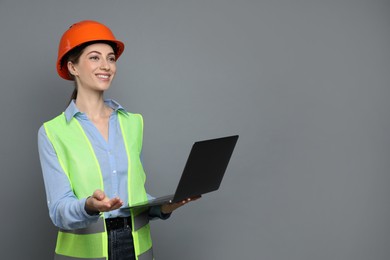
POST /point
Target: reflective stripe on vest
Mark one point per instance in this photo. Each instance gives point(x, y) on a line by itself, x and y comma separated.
point(146, 255)
point(93, 228)
point(140, 220)
point(63, 257)
point(78, 160)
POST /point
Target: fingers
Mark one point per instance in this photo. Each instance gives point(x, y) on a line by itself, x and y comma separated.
point(196, 198)
point(169, 208)
point(111, 204)
point(99, 195)
point(115, 203)
point(101, 203)
point(190, 199)
point(105, 206)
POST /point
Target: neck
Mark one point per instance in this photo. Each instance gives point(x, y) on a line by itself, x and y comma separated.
point(92, 105)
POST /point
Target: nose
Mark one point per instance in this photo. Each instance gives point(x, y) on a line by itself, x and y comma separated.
point(105, 65)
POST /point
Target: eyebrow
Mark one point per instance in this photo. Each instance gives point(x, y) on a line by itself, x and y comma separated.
point(110, 53)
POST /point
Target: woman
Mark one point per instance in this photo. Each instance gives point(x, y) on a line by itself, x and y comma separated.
point(90, 157)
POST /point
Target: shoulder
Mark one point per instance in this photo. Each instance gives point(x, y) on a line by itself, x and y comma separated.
point(42, 131)
point(130, 116)
point(121, 110)
point(58, 120)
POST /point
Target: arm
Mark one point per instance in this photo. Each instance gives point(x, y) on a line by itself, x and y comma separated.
point(169, 208)
point(65, 209)
point(155, 211)
point(165, 211)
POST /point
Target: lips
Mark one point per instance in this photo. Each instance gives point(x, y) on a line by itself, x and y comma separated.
point(103, 76)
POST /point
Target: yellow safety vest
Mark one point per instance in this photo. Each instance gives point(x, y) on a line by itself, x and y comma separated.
point(78, 160)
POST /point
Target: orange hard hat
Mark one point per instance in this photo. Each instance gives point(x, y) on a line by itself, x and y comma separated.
point(80, 33)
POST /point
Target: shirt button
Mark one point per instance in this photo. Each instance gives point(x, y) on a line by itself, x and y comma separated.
point(114, 172)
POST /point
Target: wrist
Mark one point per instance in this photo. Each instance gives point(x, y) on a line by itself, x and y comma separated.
point(89, 208)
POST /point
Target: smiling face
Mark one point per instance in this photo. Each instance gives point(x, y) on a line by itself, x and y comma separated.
point(95, 68)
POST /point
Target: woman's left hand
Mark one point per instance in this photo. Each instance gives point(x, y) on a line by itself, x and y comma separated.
point(169, 208)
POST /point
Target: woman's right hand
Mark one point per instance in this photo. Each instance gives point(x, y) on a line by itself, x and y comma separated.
point(99, 202)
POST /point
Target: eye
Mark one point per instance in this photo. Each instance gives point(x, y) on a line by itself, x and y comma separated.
point(94, 58)
point(112, 59)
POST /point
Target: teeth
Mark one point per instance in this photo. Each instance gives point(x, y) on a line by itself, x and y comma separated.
point(102, 76)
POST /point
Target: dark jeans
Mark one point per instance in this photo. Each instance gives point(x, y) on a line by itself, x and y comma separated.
point(120, 244)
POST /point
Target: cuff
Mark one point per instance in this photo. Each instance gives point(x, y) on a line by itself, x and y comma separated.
point(87, 213)
point(155, 212)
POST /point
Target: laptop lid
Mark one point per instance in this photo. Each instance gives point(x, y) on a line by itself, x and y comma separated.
point(203, 171)
point(205, 167)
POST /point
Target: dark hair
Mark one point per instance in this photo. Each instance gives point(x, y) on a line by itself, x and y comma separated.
point(74, 56)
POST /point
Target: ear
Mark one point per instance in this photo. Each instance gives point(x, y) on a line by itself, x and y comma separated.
point(72, 68)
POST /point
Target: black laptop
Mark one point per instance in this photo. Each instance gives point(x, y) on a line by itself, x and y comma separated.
point(203, 172)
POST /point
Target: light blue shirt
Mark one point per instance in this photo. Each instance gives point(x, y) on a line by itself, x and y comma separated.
point(65, 209)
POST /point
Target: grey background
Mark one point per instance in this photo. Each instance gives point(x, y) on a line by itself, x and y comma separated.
point(304, 83)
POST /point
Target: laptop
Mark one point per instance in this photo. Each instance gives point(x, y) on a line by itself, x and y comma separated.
point(203, 171)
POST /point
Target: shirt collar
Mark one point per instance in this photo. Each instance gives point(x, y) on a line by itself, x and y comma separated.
point(72, 110)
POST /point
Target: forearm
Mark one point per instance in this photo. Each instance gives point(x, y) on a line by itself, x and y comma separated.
point(155, 212)
point(70, 213)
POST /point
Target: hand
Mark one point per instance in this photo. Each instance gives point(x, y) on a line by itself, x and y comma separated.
point(99, 202)
point(170, 207)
